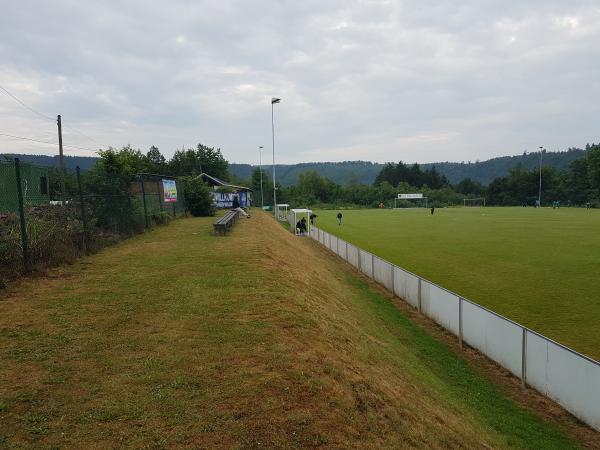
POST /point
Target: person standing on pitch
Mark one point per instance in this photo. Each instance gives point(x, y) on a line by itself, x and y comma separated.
point(432, 209)
point(339, 217)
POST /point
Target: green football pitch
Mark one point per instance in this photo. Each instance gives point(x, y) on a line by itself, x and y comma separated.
point(538, 267)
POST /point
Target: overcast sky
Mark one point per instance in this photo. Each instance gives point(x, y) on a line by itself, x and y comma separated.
point(392, 80)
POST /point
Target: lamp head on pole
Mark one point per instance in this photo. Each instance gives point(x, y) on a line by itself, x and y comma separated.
point(275, 100)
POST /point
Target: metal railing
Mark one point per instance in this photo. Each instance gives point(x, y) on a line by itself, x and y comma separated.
point(562, 374)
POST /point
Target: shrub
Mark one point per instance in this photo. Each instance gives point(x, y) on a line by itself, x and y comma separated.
point(198, 197)
point(54, 234)
point(10, 244)
point(161, 218)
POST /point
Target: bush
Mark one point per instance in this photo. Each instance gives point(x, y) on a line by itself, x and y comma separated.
point(10, 245)
point(161, 218)
point(198, 197)
point(55, 235)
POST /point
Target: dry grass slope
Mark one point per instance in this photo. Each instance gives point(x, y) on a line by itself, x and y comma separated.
point(180, 339)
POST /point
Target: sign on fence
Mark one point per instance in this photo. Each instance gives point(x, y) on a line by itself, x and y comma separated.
point(170, 191)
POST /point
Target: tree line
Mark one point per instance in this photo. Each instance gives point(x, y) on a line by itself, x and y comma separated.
point(577, 184)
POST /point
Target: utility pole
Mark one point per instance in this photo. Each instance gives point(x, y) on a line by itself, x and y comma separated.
point(61, 161)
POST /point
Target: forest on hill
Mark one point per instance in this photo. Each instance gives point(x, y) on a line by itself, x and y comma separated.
point(571, 177)
point(71, 162)
point(363, 172)
point(576, 184)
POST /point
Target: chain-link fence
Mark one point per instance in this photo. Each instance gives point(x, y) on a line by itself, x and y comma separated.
point(35, 185)
point(40, 225)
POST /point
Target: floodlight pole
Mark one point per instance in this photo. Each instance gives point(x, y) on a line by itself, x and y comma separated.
point(262, 199)
point(273, 101)
point(540, 188)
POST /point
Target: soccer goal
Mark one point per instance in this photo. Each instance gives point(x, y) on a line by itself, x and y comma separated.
point(474, 201)
point(410, 201)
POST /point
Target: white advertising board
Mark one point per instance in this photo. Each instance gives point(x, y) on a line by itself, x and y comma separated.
point(409, 196)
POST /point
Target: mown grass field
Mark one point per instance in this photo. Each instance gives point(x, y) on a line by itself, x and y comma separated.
point(539, 267)
point(179, 339)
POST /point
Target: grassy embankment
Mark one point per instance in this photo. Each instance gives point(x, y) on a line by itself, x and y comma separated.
point(538, 267)
point(259, 339)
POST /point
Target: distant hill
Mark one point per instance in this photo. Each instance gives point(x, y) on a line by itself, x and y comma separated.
point(362, 171)
point(365, 172)
point(341, 172)
point(71, 162)
point(486, 171)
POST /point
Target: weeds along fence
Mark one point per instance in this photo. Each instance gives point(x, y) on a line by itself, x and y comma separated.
point(562, 374)
point(40, 225)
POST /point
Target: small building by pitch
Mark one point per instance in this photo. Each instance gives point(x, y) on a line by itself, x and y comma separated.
point(35, 185)
point(224, 193)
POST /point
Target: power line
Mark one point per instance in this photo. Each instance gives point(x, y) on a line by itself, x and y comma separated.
point(82, 148)
point(27, 139)
point(24, 105)
point(46, 142)
point(70, 127)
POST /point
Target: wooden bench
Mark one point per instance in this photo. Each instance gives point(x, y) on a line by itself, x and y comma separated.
point(224, 223)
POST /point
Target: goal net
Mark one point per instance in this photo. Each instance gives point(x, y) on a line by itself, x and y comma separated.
point(474, 201)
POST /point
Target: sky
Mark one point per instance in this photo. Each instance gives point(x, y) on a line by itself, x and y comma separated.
point(358, 80)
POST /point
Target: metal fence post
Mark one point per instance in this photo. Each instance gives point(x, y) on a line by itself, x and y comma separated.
point(181, 195)
point(160, 203)
point(460, 324)
point(359, 259)
point(82, 207)
point(346, 251)
point(144, 200)
point(26, 264)
point(524, 358)
point(372, 266)
point(419, 307)
point(393, 283)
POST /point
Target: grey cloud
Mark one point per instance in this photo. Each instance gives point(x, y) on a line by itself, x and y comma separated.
point(391, 80)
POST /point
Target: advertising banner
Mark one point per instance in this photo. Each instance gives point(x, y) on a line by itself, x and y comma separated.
point(409, 196)
point(170, 191)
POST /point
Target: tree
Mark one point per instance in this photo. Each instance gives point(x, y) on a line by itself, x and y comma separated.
point(470, 187)
point(433, 179)
point(267, 186)
point(593, 163)
point(314, 187)
point(577, 182)
point(213, 161)
point(156, 160)
point(387, 173)
point(185, 163)
point(198, 196)
point(202, 159)
point(413, 175)
point(109, 182)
